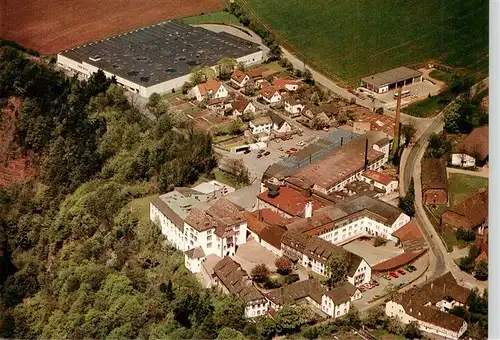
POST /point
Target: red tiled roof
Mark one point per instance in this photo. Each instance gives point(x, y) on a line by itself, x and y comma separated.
point(476, 143)
point(211, 85)
point(240, 104)
point(257, 72)
point(434, 174)
point(398, 261)
point(253, 222)
point(268, 92)
point(289, 201)
point(271, 217)
point(281, 83)
point(378, 122)
point(238, 75)
point(409, 232)
point(470, 212)
point(482, 257)
point(378, 177)
point(272, 235)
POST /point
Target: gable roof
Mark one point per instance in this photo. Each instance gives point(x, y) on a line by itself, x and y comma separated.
point(277, 119)
point(240, 104)
point(262, 120)
point(281, 83)
point(383, 123)
point(235, 279)
point(220, 215)
point(238, 75)
point(410, 235)
point(434, 174)
point(473, 210)
point(391, 76)
point(342, 293)
point(476, 144)
point(377, 177)
point(268, 91)
point(168, 212)
point(257, 72)
point(383, 209)
point(415, 299)
point(195, 253)
point(210, 85)
point(292, 293)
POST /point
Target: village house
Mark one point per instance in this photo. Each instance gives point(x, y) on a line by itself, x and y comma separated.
point(241, 106)
point(230, 278)
point(280, 125)
point(239, 78)
point(219, 105)
point(260, 125)
point(211, 89)
point(270, 95)
point(333, 302)
point(410, 237)
point(473, 150)
point(188, 222)
point(313, 253)
point(380, 180)
point(286, 84)
point(428, 306)
point(434, 182)
point(293, 105)
point(469, 214)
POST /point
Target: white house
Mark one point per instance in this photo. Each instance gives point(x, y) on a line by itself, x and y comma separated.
point(212, 89)
point(286, 84)
point(239, 78)
point(280, 125)
point(380, 180)
point(261, 125)
point(241, 106)
point(187, 223)
point(293, 106)
point(428, 307)
point(475, 147)
point(229, 277)
point(270, 94)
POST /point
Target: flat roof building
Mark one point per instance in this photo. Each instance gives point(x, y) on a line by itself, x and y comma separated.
point(389, 80)
point(158, 58)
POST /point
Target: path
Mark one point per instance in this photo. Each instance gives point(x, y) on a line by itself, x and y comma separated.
point(426, 75)
point(482, 172)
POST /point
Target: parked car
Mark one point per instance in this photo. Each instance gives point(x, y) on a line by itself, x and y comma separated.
point(267, 153)
point(247, 151)
point(387, 277)
point(293, 149)
point(280, 148)
point(362, 289)
point(301, 143)
point(375, 283)
point(259, 155)
point(408, 269)
point(394, 275)
point(261, 151)
point(283, 138)
point(325, 129)
point(401, 271)
point(412, 268)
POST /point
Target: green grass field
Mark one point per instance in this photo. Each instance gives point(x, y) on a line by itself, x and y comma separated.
point(351, 39)
point(212, 18)
point(140, 207)
point(441, 75)
point(460, 186)
point(426, 108)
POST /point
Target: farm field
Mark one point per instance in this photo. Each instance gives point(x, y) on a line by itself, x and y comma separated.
point(54, 25)
point(351, 39)
point(220, 17)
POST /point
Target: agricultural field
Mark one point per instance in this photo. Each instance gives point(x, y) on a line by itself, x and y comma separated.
point(220, 17)
point(351, 39)
point(54, 25)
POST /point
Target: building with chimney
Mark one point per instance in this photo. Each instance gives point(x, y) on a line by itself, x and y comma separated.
point(287, 202)
point(428, 306)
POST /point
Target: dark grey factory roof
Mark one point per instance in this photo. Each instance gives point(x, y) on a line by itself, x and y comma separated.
point(158, 53)
point(391, 76)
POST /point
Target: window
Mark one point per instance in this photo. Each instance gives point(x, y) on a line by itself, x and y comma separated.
point(209, 237)
point(237, 227)
point(209, 245)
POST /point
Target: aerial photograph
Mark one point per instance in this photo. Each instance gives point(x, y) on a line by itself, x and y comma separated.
point(244, 169)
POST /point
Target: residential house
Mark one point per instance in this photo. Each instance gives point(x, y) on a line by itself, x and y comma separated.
point(219, 104)
point(474, 148)
point(241, 106)
point(334, 302)
point(230, 278)
point(380, 180)
point(469, 214)
point(270, 95)
point(217, 226)
point(260, 125)
point(286, 84)
point(211, 89)
point(428, 306)
point(293, 105)
point(434, 182)
point(280, 125)
point(313, 253)
point(239, 78)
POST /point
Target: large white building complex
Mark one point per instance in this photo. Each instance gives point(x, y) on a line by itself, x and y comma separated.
point(158, 58)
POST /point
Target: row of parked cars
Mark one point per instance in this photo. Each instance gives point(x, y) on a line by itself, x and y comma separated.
point(400, 272)
point(363, 288)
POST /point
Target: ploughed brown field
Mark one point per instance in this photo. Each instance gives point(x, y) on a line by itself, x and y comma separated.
point(50, 26)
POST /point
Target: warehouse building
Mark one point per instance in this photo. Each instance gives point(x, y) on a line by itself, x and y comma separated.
point(158, 58)
point(389, 80)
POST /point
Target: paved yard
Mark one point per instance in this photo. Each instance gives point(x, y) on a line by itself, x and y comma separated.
point(421, 90)
point(373, 255)
point(251, 254)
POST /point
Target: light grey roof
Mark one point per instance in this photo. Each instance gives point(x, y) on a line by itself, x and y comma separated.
point(155, 54)
point(391, 76)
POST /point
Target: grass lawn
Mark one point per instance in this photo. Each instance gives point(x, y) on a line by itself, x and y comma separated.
point(212, 18)
point(451, 240)
point(274, 66)
point(426, 108)
point(441, 75)
point(460, 186)
point(140, 207)
point(222, 177)
point(351, 39)
point(382, 334)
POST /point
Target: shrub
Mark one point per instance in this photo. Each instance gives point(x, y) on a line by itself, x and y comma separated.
point(379, 241)
point(465, 235)
point(271, 283)
point(260, 273)
point(289, 279)
point(283, 265)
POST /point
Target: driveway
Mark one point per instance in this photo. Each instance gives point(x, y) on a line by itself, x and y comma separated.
point(251, 254)
point(373, 255)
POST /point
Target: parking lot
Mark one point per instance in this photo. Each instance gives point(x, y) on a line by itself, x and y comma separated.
point(373, 255)
point(418, 92)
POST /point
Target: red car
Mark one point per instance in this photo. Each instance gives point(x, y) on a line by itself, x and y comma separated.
point(293, 149)
point(394, 275)
point(401, 271)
